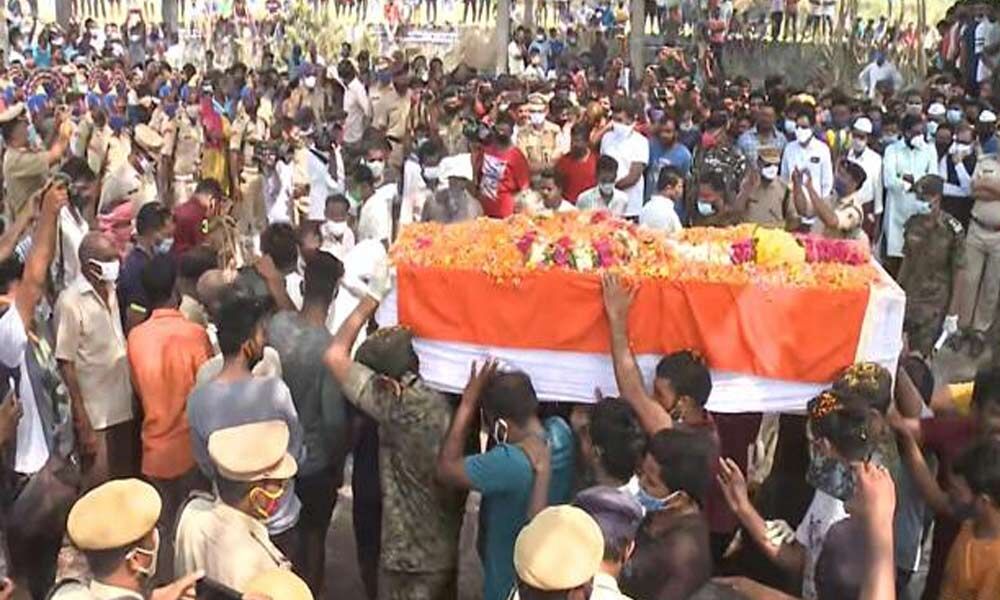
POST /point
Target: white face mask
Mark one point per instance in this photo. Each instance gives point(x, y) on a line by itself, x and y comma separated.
point(431, 173)
point(620, 128)
point(705, 208)
point(333, 231)
point(859, 145)
point(917, 141)
point(803, 134)
point(769, 172)
point(606, 189)
point(107, 271)
point(149, 571)
point(537, 118)
point(193, 110)
point(310, 82)
point(165, 245)
point(958, 149)
point(377, 167)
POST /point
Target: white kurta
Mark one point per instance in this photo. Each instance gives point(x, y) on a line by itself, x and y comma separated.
point(900, 202)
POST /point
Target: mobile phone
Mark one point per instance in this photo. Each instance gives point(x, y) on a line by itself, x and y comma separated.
point(207, 588)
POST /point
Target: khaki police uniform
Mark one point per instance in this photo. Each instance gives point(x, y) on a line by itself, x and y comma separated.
point(118, 514)
point(246, 133)
point(24, 170)
point(981, 274)
point(183, 140)
point(125, 182)
point(560, 549)
point(279, 584)
point(539, 144)
point(770, 203)
point(230, 545)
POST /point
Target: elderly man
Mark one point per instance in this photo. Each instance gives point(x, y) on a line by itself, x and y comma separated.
point(90, 350)
point(25, 168)
point(225, 536)
point(453, 203)
point(114, 526)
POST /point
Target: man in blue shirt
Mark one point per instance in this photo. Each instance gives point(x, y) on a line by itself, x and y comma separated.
point(154, 228)
point(986, 129)
point(542, 45)
point(763, 134)
point(666, 150)
point(512, 475)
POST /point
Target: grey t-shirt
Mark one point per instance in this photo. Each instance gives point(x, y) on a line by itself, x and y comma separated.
point(220, 405)
point(316, 394)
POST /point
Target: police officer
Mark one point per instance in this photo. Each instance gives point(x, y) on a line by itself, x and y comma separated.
point(765, 198)
point(225, 536)
point(981, 272)
point(134, 180)
point(247, 132)
point(560, 550)
point(180, 155)
point(278, 584)
point(933, 252)
point(539, 140)
point(25, 169)
point(114, 526)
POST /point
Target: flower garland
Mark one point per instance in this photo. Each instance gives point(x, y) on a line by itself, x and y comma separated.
point(592, 242)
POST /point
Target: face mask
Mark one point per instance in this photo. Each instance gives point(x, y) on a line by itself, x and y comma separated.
point(915, 109)
point(106, 271)
point(954, 116)
point(831, 476)
point(377, 167)
point(916, 142)
point(803, 134)
point(769, 172)
point(150, 571)
point(537, 119)
point(651, 503)
point(620, 129)
point(932, 128)
point(500, 430)
point(859, 146)
point(789, 126)
point(193, 111)
point(333, 230)
point(705, 209)
point(431, 173)
point(890, 139)
point(310, 82)
point(606, 189)
point(269, 505)
point(960, 150)
point(164, 246)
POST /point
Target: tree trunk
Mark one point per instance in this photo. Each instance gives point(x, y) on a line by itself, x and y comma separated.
point(4, 39)
point(529, 16)
point(503, 34)
point(636, 40)
point(921, 29)
point(169, 14)
point(63, 13)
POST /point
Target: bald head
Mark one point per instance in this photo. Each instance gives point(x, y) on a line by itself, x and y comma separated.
point(96, 246)
point(211, 285)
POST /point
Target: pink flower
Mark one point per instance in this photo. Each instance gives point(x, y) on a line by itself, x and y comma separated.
point(605, 255)
point(741, 251)
point(424, 242)
point(524, 244)
point(565, 242)
point(560, 255)
point(599, 216)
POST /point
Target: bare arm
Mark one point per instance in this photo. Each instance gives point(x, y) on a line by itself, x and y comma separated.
point(635, 171)
point(651, 414)
point(874, 502)
point(928, 486)
point(451, 459)
point(537, 449)
point(43, 248)
point(85, 437)
point(14, 233)
point(275, 283)
point(821, 207)
point(338, 354)
point(909, 402)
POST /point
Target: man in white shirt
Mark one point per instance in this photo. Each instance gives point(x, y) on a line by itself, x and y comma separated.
point(869, 160)
point(880, 69)
point(604, 195)
point(631, 151)
point(659, 213)
point(810, 155)
point(72, 220)
point(356, 104)
point(322, 183)
point(421, 178)
point(375, 219)
point(904, 163)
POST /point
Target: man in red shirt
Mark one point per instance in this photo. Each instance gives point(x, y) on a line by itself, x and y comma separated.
point(505, 171)
point(189, 216)
point(578, 167)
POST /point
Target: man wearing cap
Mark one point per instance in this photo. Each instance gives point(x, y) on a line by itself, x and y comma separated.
point(135, 179)
point(278, 584)
point(421, 517)
point(391, 113)
point(114, 526)
point(558, 555)
point(839, 215)
point(933, 255)
point(986, 131)
point(539, 137)
point(248, 131)
point(225, 536)
point(618, 514)
point(454, 203)
point(871, 195)
point(180, 154)
point(764, 198)
point(25, 168)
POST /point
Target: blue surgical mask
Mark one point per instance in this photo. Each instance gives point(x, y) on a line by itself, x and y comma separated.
point(164, 246)
point(932, 127)
point(650, 503)
point(954, 116)
point(705, 209)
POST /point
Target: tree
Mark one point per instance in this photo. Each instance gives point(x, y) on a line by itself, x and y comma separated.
point(63, 16)
point(169, 13)
point(636, 39)
point(503, 34)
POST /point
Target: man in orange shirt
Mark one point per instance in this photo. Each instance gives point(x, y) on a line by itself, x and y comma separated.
point(164, 354)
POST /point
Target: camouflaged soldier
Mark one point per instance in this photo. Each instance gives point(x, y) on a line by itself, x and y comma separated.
point(420, 517)
point(933, 252)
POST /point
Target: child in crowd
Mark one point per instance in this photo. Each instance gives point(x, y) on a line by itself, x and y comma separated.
point(604, 195)
point(550, 187)
point(660, 212)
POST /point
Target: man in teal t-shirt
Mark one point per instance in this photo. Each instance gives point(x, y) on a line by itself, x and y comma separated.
point(506, 475)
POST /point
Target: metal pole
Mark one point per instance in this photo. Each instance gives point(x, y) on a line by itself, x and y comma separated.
point(503, 34)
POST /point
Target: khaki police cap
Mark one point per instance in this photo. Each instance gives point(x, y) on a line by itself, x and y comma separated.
point(770, 155)
point(12, 112)
point(147, 138)
point(278, 584)
point(114, 515)
point(560, 549)
point(252, 452)
point(537, 100)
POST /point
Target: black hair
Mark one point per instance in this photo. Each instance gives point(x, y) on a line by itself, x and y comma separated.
point(669, 177)
point(232, 492)
point(322, 276)
point(346, 71)
point(238, 317)
point(511, 396)
point(280, 242)
point(195, 262)
point(103, 563)
point(986, 388)
point(979, 465)
point(683, 457)
point(151, 218)
point(11, 270)
point(607, 163)
point(209, 187)
point(430, 148)
point(338, 199)
point(579, 129)
point(845, 420)
point(363, 175)
point(552, 174)
point(78, 170)
point(855, 170)
point(688, 375)
point(158, 278)
point(617, 436)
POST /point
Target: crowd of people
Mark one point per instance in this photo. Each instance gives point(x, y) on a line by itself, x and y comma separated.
point(193, 257)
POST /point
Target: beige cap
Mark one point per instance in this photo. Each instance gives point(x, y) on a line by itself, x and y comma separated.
point(769, 154)
point(278, 584)
point(11, 113)
point(538, 100)
point(147, 139)
point(114, 515)
point(252, 452)
point(560, 549)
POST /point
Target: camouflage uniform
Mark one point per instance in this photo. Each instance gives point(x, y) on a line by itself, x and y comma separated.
point(420, 517)
point(933, 253)
point(724, 159)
